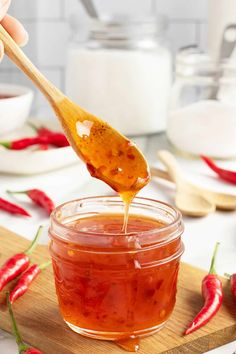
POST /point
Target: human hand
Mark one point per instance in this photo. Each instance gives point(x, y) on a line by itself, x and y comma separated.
point(12, 26)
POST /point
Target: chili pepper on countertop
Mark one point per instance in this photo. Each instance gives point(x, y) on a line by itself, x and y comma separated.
point(226, 175)
point(18, 263)
point(232, 279)
point(12, 208)
point(22, 347)
point(213, 295)
point(38, 197)
point(57, 138)
point(26, 279)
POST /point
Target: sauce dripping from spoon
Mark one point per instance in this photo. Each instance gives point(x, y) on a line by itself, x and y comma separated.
point(109, 155)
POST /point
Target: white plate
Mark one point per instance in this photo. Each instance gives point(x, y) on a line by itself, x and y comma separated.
point(34, 161)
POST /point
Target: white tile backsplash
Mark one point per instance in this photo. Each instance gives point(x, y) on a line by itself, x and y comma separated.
point(181, 34)
point(73, 7)
point(46, 11)
point(52, 43)
point(24, 9)
point(183, 9)
point(47, 22)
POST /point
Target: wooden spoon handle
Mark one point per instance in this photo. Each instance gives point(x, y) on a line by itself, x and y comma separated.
point(22, 61)
point(156, 172)
point(171, 165)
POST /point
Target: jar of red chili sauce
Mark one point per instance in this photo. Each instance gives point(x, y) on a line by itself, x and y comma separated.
point(112, 285)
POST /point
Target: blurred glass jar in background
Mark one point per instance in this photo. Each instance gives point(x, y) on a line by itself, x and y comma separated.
point(202, 110)
point(122, 73)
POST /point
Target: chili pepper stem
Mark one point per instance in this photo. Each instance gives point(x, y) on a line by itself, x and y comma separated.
point(34, 242)
point(31, 125)
point(6, 144)
point(16, 192)
point(227, 275)
point(213, 260)
point(22, 347)
point(45, 265)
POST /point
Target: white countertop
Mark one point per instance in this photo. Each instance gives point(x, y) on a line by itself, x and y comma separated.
point(74, 182)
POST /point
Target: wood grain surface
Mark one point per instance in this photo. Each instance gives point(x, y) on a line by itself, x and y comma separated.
point(42, 326)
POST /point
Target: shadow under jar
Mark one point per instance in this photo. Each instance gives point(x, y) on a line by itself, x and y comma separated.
point(112, 285)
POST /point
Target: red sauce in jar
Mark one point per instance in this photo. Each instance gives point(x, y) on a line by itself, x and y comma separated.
point(121, 288)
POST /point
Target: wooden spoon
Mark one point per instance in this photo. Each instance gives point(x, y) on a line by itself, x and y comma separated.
point(109, 155)
point(223, 201)
point(187, 200)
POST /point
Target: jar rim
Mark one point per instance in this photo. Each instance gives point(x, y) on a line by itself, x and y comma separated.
point(141, 201)
point(193, 56)
point(121, 27)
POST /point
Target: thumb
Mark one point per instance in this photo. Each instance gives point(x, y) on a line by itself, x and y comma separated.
point(4, 5)
point(1, 50)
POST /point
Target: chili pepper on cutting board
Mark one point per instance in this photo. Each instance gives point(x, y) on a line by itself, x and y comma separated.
point(22, 347)
point(226, 175)
point(18, 263)
point(39, 197)
point(213, 295)
point(26, 279)
point(12, 208)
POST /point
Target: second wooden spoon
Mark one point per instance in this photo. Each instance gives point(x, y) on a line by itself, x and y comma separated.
point(187, 200)
point(222, 201)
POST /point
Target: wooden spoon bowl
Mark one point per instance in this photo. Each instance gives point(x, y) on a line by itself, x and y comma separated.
point(222, 201)
point(187, 200)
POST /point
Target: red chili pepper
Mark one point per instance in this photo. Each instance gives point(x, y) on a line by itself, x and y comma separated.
point(226, 175)
point(233, 285)
point(213, 295)
point(44, 131)
point(232, 279)
point(26, 279)
point(22, 144)
point(18, 263)
point(12, 208)
point(55, 138)
point(22, 347)
point(38, 197)
point(43, 147)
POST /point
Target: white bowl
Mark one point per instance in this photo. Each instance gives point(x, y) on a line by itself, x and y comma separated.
point(14, 110)
point(33, 161)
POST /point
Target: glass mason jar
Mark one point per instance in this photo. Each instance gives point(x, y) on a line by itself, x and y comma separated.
point(115, 285)
point(122, 73)
point(202, 109)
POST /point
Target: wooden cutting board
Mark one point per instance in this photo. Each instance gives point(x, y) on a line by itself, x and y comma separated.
point(41, 325)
